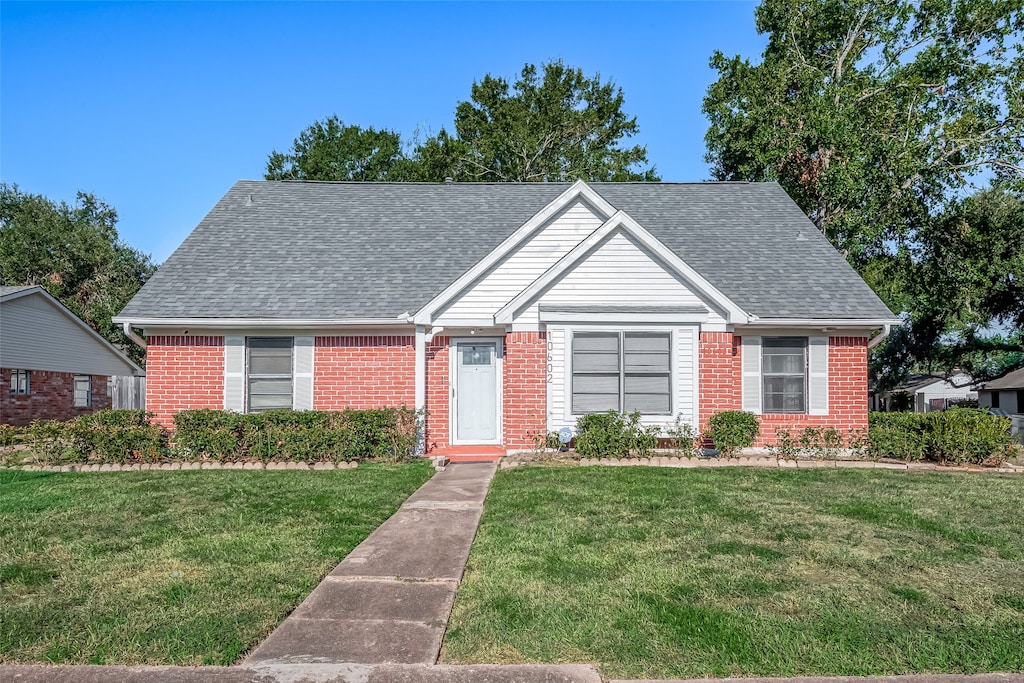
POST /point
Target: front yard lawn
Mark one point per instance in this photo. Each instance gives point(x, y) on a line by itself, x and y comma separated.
point(186, 567)
point(651, 572)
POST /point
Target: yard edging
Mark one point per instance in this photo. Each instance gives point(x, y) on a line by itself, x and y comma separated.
point(173, 466)
point(781, 463)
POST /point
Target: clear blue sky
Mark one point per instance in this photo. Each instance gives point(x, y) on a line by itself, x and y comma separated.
point(158, 108)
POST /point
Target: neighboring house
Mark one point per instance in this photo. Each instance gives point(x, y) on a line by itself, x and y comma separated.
point(932, 393)
point(54, 366)
point(508, 310)
point(1006, 393)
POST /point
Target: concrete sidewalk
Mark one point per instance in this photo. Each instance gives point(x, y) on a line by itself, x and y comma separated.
point(389, 600)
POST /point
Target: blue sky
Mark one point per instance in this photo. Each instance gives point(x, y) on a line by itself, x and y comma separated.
point(158, 108)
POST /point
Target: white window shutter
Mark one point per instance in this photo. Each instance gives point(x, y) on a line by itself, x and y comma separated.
point(302, 380)
point(752, 375)
point(817, 371)
point(234, 374)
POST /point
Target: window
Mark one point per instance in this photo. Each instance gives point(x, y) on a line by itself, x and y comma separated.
point(995, 399)
point(83, 391)
point(784, 374)
point(20, 382)
point(269, 373)
point(624, 371)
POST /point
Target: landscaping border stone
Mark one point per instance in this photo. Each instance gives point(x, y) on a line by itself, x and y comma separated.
point(190, 465)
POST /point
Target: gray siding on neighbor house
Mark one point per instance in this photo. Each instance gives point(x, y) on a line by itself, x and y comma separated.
point(37, 335)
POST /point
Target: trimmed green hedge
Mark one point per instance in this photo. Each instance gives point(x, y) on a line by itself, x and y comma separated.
point(956, 435)
point(732, 430)
point(106, 436)
point(303, 436)
point(614, 435)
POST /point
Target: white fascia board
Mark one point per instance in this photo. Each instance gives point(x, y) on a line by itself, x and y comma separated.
point(290, 323)
point(578, 190)
point(620, 220)
point(622, 317)
point(66, 312)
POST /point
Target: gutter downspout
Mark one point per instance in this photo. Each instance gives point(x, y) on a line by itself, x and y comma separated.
point(878, 339)
point(130, 333)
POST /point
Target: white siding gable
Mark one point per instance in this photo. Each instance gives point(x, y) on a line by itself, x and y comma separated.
point(499, 286)
point(619, 271)
point(36, 335)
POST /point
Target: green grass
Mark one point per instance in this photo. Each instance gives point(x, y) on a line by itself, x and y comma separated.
point(174, 567)
point(651, 572)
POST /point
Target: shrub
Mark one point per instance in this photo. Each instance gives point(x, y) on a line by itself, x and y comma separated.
point(957, 435)
point(962, 435)
point(614, 435)
point(299, 435)
point(106, 436)
point(732, 430)
point(10, 435)
point(683, 438)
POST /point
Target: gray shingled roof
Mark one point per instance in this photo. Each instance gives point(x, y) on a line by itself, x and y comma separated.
point(376, 250)
point(8, 289)
point(1014, 380)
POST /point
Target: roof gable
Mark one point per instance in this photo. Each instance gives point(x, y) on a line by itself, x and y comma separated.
point(285, 250)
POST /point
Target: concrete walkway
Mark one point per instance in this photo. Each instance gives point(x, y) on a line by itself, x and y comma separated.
point(389, 600)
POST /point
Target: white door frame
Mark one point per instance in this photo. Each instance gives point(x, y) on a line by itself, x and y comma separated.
point(453, 398)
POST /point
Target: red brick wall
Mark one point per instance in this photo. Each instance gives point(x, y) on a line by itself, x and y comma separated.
point(720, 377)
point(524, 405)
point(847, 393)
point(438, 394)
point(51, 397)
point(183, 373)
point(721, 382)
point(364, 372)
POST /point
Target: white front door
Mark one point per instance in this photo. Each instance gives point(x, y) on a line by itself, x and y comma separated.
point(476, 392)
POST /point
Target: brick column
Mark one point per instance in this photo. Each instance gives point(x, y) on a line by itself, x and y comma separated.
point(525, 389)
point(721, 378)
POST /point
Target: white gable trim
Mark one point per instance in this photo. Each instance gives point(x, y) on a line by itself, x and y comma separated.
point(66, 312)
point(620, 220)
point(579, 191)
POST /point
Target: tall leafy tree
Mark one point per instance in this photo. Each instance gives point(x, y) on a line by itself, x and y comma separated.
point(552, 126)
point(878, 118)
point(75, 253)
point(331, 150)
point(871, 114)
point(555, 125)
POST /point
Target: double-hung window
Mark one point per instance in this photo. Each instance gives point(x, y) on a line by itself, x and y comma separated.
point(622, 371)
point(83, 391)
point(784, 374)
point(269, 373)
point(20, 382)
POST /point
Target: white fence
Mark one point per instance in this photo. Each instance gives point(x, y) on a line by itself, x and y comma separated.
point(127, 392)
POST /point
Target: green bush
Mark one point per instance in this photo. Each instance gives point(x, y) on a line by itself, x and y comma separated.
point(10, 435)
point(298, 435)
point(614, 435)
point(106, 436)
point(957, 435)
point(683, 438)
point(732, 430)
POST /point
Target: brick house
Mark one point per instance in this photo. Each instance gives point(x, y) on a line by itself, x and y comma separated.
point(53, 365)
point(507, 310)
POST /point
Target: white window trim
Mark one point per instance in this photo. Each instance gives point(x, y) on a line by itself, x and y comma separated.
point(74, 392)
point(245, 372)
point(14, 382)
point(453, 378)
point(659, 419)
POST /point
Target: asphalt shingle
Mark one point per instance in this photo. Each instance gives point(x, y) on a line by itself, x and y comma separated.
point(292, 250)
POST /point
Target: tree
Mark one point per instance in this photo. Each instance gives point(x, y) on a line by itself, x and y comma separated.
point(560, 126)
point(872, 114)
point(330, 150)
point(878, 118)
point(74, 252)
point(557, 127)
point(965, 289)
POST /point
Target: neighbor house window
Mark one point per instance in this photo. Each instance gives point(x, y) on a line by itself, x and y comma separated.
point(784, 374)
point(995, 399)
point(623, 371)
point(83, 391)
point(20, 382)
point(269, 373)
